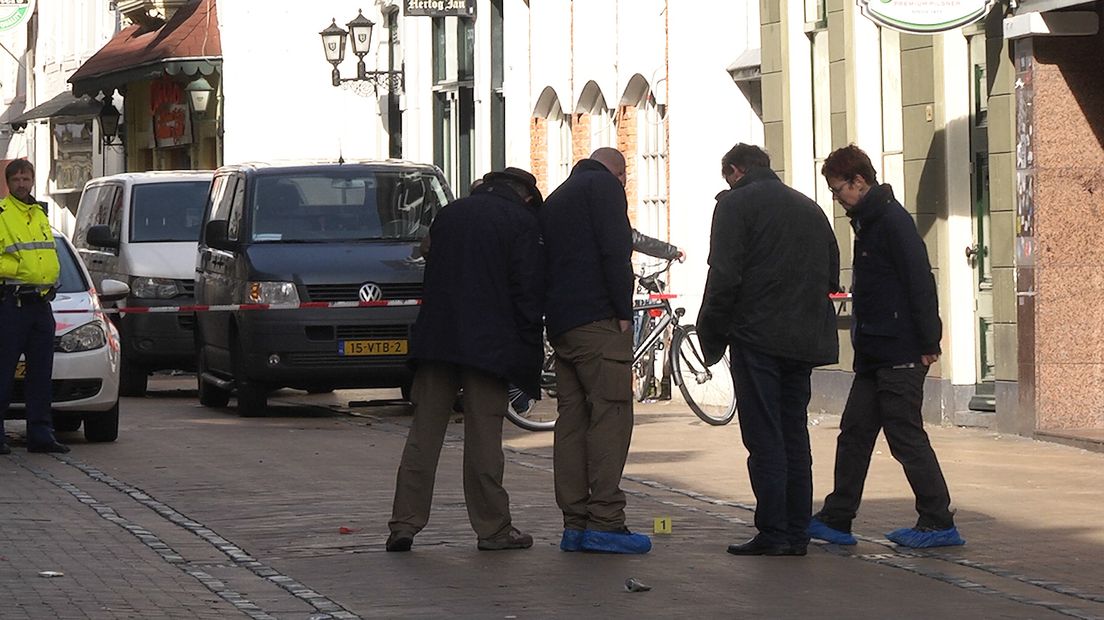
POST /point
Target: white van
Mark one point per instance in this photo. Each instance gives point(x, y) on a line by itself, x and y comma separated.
point(142, 228)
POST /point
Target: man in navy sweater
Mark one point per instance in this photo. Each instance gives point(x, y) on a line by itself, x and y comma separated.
point(588, 314)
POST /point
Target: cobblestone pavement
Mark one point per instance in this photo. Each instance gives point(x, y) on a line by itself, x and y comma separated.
point(196, 513)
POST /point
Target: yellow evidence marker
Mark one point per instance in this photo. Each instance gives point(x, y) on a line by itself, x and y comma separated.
point(661, 525)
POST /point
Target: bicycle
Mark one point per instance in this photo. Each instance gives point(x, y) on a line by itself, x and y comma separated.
point(708, 390)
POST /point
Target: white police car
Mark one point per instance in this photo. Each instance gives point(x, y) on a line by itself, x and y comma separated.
point(86, 354)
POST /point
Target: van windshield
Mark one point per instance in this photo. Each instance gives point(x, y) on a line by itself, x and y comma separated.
point(345, 205)
point(167, 211)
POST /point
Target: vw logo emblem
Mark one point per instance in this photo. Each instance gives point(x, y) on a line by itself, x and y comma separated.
point(370, 292)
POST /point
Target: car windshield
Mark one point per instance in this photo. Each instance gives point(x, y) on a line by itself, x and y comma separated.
point(167, 211)
point(345, 205)
point(71, 279)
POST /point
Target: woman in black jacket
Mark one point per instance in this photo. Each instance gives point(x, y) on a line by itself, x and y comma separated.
point(895, 331)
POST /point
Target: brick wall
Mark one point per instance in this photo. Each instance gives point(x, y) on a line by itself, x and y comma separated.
point(538, 152)
point(626, 143)
point(580, 138)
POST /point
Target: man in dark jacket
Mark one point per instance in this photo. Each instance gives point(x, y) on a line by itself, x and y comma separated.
point(773, 260)
point(479, 327)
point(588, 312)
point(895, 331)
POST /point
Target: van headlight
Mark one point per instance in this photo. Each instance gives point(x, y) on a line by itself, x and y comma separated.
point(154, 288)
point(271, 293)
point(84, 338)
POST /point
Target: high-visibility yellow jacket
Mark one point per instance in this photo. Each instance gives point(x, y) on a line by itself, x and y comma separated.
point(27, 252)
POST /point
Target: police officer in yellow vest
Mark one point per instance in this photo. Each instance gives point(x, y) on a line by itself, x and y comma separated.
point(28, 276)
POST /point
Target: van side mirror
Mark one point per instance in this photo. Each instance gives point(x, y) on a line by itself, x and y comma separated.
point(100, 236)
point(216, 235)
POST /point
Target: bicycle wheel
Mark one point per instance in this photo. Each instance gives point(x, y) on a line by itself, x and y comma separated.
point(709, 391)
point(540, 415)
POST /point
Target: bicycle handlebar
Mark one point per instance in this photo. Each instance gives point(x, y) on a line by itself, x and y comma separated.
point(650, 282)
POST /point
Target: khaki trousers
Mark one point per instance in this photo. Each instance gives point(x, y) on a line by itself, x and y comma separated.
point(434, 390)
point(594, 427)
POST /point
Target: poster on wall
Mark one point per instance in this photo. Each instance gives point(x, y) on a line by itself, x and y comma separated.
point(172, 120)
point(924, 16)
point(1025, 157)
point(14, 13)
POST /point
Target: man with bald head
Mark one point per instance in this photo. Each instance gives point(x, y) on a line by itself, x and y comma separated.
point(588, 313)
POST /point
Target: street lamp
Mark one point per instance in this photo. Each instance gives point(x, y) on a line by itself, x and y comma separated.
point(333, 44)
point(109, 123)
point(369, 83)
point(199, 94)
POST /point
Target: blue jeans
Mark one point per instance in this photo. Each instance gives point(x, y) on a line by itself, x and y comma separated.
point(772, 396)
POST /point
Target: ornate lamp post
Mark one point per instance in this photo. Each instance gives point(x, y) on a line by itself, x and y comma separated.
point(368, 83)
point(360, 30)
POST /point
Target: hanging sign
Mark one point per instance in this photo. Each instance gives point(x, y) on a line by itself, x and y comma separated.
point(924, 16)
point(439, 8)
point(14, 12)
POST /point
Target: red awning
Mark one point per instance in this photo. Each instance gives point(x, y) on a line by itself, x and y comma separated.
point(188, 44)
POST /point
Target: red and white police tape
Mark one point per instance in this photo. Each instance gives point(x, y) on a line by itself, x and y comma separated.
point(236, 307)
point(839, 297)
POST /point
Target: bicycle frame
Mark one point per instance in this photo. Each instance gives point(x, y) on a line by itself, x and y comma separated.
point(668, 318)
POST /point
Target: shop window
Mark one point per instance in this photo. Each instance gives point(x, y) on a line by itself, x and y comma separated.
point(559, 146)
point(498, 97)
point(893, 133)
point(454, 100)
point(822, 113)
point(651, 168)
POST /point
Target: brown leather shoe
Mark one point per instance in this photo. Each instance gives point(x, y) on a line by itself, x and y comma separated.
point(514, 539)
point(400, 541)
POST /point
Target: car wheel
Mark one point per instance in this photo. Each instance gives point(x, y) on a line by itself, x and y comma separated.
point(252, 397)
point(132, 378)
point(406, 389)
point(66, 424)
point(102, 425)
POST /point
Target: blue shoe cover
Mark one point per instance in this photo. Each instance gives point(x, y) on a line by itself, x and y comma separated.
point(615, 542)
point(820, 531)
point(916, 538)
point(572, 540)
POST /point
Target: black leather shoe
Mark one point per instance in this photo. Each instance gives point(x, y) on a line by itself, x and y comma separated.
point(756, 546)
point(796, 550)
point(400, 541)
point(55, 447)
point(4, 449)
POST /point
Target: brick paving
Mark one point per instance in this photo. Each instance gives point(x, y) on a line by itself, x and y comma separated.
point(197, 513)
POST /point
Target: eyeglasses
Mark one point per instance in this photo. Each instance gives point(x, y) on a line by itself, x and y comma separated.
point(836, 190)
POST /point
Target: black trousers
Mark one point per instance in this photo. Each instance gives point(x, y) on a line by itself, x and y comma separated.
point(772, 397)
point(28, 329)
point(887, 399)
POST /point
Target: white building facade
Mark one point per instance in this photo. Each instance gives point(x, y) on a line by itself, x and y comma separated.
point(39, 121)
point(537, 84)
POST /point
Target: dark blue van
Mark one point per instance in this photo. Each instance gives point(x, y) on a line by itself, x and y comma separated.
point(318, 232)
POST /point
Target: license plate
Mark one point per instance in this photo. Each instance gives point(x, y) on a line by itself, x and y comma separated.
point(20, 370)
point(371, 347)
